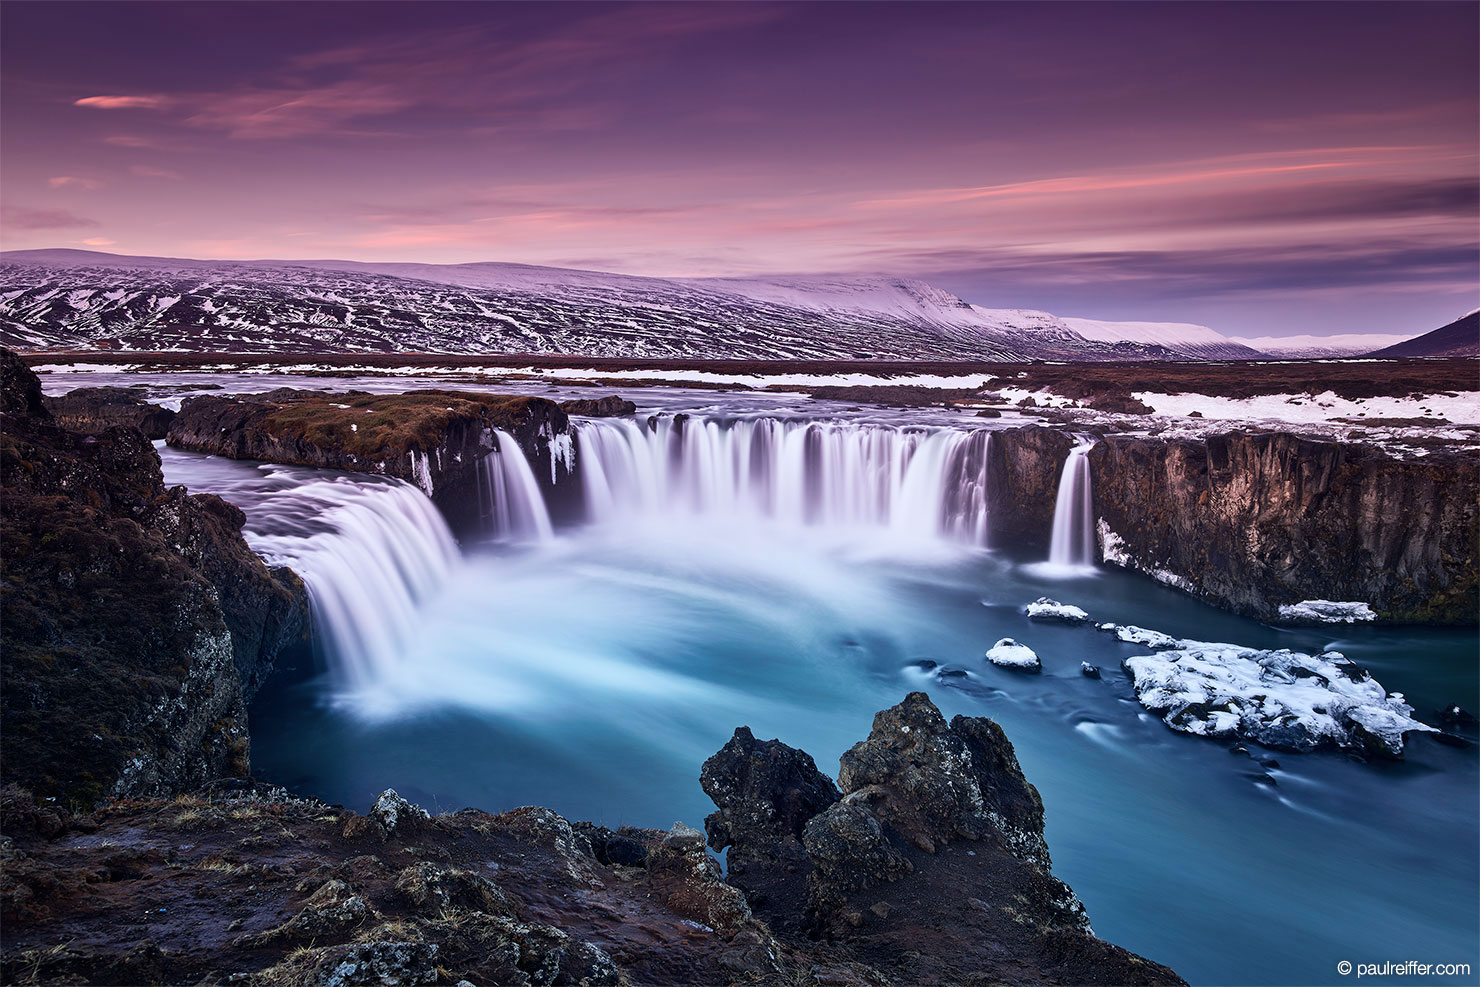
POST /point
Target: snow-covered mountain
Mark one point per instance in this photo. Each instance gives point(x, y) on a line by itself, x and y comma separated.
point(82, 299)
point(1321, 347)
point(1184, 338)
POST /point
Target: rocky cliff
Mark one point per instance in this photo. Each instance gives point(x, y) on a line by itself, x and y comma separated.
point(930, 869)
point(434, 439)
point(137, 622)
point(92, 409)
point(1255, 520)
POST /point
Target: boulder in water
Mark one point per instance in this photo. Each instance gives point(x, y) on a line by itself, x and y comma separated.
point(1009, 654)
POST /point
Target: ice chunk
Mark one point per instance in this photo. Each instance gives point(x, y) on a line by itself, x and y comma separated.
point(1009, 654)
point(1327, 612)
point(1279, 698)
point(1045, 609)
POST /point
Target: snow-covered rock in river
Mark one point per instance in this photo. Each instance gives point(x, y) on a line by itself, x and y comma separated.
point(1045, 609)
point(1131, 634)
point(1279, 698)
point(1326, 612)
point(1009, 654)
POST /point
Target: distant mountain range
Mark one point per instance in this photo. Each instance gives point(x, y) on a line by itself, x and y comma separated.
point(80, 299)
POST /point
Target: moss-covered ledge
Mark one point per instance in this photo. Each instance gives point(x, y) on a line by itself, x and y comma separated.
point(432, 438)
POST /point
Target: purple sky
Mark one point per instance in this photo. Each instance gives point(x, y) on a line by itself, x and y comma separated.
point(1264, 169)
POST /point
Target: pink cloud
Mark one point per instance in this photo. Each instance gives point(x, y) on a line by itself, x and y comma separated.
point(21, 218)
point(124, 102)
point(71, 181)
point(149, 171)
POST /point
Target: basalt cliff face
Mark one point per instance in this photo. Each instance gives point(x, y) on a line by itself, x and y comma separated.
point(92, 409)
point(930, 869)
point(432, 438)
point(137, 622)
point(1251, 521)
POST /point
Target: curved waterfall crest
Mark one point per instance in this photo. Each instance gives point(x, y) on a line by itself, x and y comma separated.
point(370, 553)
point(915, 482)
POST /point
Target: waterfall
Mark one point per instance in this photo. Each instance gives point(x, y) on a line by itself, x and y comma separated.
point(1073, 542)
point(915, 483)
point(370, 552)
point(510, 496)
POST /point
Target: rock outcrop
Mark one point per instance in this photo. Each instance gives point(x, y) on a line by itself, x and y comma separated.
point(274, 890)
point(137, 622)
point(1253, 521)
point(434, 439)
point(932, 862)
point(92, 409)
point(610, 406)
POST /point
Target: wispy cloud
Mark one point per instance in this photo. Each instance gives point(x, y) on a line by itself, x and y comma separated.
point(155, 102)
point(150, 171)
point(72, 181)
point(21, 218)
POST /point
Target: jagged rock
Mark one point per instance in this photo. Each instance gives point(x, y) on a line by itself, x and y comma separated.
point(434, 890)
point(1454, 715)
point(934, 783)
point(92, 409)
point(396, 814)
point(1089, 671)
point(766, 792)
point(137, 622)
point(686, 879)
point(334, 909)
point(849, 853)
point(384, 964)
point(610, 406)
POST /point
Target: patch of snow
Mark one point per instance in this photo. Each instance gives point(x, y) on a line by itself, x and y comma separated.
point(1045, 609)
point(1278, 698)
point(1327, 612)
point(1009, 654)
point(1458, 407)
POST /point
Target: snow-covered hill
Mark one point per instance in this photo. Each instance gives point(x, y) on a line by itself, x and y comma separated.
point(1321, 347)
point(84, 299)
point(1183, 338)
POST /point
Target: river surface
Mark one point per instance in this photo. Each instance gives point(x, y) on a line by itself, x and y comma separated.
point(593, 673)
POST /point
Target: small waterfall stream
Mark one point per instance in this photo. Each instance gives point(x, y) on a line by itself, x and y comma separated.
point(1073, 544)
point(510, 496)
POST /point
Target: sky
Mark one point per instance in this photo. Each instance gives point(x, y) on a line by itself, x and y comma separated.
point(1263, 169)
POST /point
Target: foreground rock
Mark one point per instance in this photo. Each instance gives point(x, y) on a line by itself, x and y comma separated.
point(927, 865)
point(434, 439)
point(931, 865)
point(92, 409)
point(137, 622)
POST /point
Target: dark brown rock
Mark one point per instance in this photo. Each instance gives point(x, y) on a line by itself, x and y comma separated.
point(434, 439)
point(92, 409)
point(610, 406)
point(137, 622)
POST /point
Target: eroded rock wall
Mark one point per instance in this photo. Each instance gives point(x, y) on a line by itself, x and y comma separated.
point(137, 622)
point(1254, 520)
